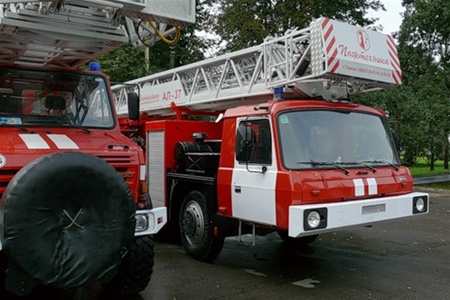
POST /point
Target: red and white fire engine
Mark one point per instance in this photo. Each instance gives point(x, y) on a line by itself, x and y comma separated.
point(74, 205)
point(267, 139)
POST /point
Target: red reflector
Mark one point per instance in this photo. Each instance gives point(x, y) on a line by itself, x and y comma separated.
point(160, 220)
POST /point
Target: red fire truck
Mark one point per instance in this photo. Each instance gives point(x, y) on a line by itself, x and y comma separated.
point(74, 206)
point(267, 139)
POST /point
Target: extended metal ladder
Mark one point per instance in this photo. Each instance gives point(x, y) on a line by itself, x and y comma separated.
point(329, 59)
point(69, 33)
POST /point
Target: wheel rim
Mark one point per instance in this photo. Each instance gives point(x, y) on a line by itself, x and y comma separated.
point(193, 222)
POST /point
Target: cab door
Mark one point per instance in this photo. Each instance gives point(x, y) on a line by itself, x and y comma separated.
point(255, 172)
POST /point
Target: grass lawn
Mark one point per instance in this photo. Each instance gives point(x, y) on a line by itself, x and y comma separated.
point(422, 169)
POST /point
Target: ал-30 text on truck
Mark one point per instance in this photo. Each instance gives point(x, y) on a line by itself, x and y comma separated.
point(75, 209)
point(288, 153)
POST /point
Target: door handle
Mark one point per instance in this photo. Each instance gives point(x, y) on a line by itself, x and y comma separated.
point(237, 189)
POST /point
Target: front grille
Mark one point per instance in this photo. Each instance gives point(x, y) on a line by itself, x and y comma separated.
point(122, 163)
point(6, 175)
point(116, 159)
point(373, 209)
point(126, 166)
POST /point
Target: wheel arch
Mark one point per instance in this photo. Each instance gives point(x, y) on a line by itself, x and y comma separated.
point(181, 188)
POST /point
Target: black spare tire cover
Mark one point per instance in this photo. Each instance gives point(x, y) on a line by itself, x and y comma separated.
point(68, 219)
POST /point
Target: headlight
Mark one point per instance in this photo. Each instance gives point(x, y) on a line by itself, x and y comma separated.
point(420, 204)
point(141, 223)
point(315, 218)
point(150, 221)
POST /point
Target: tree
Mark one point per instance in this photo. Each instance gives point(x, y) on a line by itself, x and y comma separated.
point(127, 63)
point(405, 118)
point(424, 45)
point(244, 23)
point(421, 105)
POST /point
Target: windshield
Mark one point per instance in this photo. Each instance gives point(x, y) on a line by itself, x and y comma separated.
point(44, 98)
point(324, 138)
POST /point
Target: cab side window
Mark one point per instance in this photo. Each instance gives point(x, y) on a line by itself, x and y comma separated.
point(254, 142)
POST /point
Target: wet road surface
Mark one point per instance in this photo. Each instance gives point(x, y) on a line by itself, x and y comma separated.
point(403, 259)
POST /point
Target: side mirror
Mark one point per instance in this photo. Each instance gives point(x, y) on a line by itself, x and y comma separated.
point(133, 106)
point(396, 141)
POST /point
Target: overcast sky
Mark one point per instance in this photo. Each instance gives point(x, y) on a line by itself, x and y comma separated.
point(390, 19)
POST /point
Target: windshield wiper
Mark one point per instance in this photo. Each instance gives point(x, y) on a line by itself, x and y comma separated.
point(324, 163)
point(19, 126)
point(84, 129)
point(360, 163)
point(381, 161)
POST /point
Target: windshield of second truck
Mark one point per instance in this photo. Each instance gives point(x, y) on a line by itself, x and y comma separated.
point(327, 139)
point(56, 99)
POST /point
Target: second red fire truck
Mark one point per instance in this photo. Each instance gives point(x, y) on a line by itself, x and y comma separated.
point(267, 139)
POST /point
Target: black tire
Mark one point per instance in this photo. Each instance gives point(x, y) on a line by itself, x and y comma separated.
point(77, 214)
point(300, 242)
point(3, 267)
point(197, 228)
point(136, 270)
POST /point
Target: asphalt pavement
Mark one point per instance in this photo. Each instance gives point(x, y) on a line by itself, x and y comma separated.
point(403, 259)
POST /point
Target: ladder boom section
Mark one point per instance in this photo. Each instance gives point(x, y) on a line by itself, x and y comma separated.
point(69, 33)
point(329, 59)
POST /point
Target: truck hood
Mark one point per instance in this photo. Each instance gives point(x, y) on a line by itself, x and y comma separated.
point(19, 147)
point(336, 186)
point(50, 140)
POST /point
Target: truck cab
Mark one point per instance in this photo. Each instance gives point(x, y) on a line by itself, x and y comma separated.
point(298, 167)
point(71, 186)
point(309, 167)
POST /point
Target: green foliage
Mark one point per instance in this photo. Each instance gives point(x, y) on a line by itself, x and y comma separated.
point(126, 63)
point(121, 66)
point(422, 168)
point(421, 106)
point(238, 24)
point(425, 32)
point(244, 23)
point(424, 42)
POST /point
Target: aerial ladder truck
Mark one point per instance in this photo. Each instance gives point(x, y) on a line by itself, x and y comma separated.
point(74, 208)
point(267, 139)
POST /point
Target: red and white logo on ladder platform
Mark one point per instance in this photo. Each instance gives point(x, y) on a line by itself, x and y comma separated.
point(363, 39)
point(359, 53)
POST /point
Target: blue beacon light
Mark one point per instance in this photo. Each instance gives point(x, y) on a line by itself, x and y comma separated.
point(95, 66)
point(278, 93)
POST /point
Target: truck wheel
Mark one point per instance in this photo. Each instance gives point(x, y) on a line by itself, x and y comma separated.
point(297, 242)
point(76, 213)
point(136, 270)
point(197, 228)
